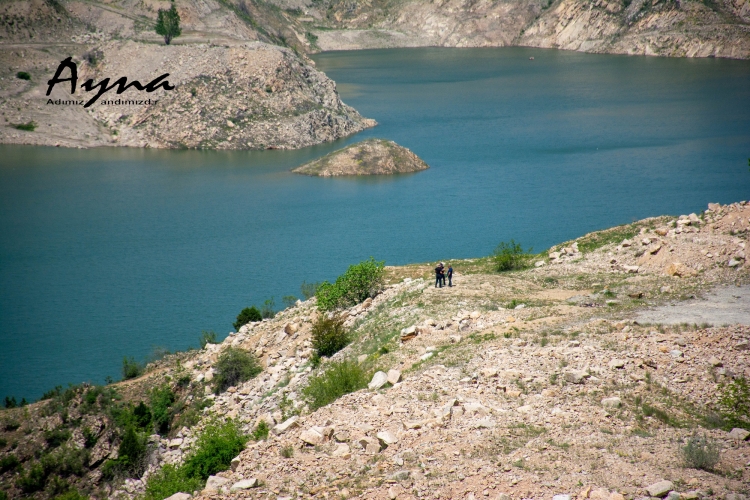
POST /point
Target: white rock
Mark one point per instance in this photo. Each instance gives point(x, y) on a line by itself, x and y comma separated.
point(561, 497)
point(311, 436)
point(617, 363)
point(214, 483)
point(394, 377)
point(179, 496)
point(386, 437)
point(734, 262)
point(614, 402)
point(343, 451)
point(245, 484)
point(714, 361)
point(576, 377)
point(378, 380)
point(660, 489)
point(739, 434)
point(286, 425)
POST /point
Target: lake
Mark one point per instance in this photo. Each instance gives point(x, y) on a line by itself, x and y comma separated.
point(106, 253)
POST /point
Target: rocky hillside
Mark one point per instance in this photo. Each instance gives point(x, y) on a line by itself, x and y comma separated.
point(370, 157)
point(239, 91)
point(523, 384)
point(682, 28)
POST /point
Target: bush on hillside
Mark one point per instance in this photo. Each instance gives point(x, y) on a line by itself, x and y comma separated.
point(701, 452)
point(233, 367)
point(208, 337)
point(247, 315)
point(338, 379)
point(216, 447)
point(131, 368)
point(268, 310)
point(359, 282)
point(309, 289)
point(162, 399)
point(734, 403)
point(329, 335)
point(168, 481)
point(510, 257)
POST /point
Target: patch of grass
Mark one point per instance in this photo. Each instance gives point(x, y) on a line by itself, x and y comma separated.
point(261, 431)
point(659, 414)
point(207, 337)
point(734, 403)
point(329, 335)
point(510, 257)
point(23, 75)
point(598, 239)
point(338, 379)
point(233, 367)
point(287, 451)
point(701, 452)
point(28, 126)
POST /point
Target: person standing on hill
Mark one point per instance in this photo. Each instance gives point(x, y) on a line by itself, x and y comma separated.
point(439, 275)
point(450, 275)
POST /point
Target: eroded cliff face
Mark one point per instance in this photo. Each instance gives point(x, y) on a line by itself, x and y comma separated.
point(249, 96)
point(649, 27)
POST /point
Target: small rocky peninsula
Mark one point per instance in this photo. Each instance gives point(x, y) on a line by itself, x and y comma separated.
point(369, 157)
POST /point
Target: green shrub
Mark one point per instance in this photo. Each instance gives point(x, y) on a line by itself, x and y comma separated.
point(162, 400)
point(131, 368)
point(309, 289)
point(56, 486)
point(11, 425)
point(338, 379)
point(3, 443)
point(247, 315)
point(268, 310)
point(3, 495)
point(233, 367)
point(65, 461)
point(168, 481)
point(23, 75)
point(89, 437)
point(701, 452)
point(734, 403)
point(510, 256)
point(208, 337)
point(329, 335)
point(9, 462)
point(215, 448)
point(132, 451)
point(33, 479)
point(287, 451)
point(28, 126)
point(359, 282)
point(289, 300)
point(142, 415)
point(56, 437)
point(71, 495)
point(260, 432)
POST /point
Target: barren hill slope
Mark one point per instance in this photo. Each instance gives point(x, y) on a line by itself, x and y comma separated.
point(508, 385)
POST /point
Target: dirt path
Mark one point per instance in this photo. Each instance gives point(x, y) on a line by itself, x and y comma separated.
point(726, 305)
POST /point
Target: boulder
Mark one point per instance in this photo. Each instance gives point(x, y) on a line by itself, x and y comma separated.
point(286, 425)
point(576, 376)
point(611, 402)
point(311, 436)
point(386, 438)
point(342, 451)
point(394, 377)
point(617, 363)
point(179, 496)
point(660, 489)
point(378, 381)
point(215, 483)
point(245, 484)
point(739, 434)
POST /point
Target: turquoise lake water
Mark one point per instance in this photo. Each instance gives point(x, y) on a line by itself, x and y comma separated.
point(107, 253)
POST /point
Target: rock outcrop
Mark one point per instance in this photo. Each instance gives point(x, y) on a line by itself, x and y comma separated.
point(369, 157)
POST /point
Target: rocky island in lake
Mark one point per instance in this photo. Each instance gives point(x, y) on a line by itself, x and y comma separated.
point(369, 157)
